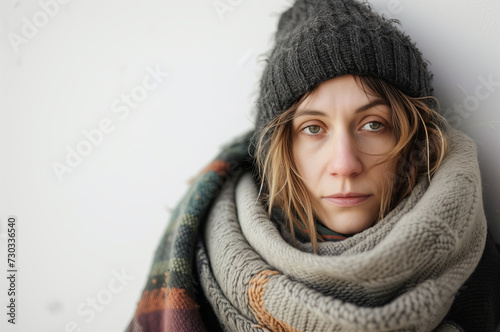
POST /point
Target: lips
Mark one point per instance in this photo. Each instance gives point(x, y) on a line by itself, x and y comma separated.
point(347, 199)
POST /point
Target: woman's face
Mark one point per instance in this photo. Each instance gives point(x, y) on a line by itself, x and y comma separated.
point(339, 134)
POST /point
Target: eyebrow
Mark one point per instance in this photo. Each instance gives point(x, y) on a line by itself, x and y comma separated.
point(363, 108)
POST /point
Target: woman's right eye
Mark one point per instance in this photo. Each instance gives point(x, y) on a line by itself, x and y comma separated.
point(312, 130)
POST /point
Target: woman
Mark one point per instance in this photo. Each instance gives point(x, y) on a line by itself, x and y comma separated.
point(352, 206)
point(343, 155)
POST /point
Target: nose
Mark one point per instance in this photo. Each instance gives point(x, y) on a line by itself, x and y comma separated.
point(344, 158)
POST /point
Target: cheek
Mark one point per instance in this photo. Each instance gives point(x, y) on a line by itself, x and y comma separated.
point(306, 161)
point(298, 161)
point(382, 176)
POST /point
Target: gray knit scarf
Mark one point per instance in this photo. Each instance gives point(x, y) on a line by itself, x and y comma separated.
point(400, 275)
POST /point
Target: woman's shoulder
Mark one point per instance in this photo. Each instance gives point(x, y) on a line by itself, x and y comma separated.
point(477, 303)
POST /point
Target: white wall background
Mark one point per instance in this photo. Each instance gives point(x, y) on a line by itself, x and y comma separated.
point(106, 216)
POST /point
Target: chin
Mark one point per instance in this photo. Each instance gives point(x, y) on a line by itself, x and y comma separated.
point(348, 226)
point(349, 221)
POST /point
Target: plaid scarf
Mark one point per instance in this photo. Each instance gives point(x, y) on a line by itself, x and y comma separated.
point(169, 299)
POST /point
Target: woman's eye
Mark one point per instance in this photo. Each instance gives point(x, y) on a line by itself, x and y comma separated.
point(373, 126)
point(312, 130)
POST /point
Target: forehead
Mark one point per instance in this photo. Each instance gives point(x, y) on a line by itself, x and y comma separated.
point(341, 94)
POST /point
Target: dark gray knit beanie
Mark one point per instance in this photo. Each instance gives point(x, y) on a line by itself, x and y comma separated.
point(318, 40)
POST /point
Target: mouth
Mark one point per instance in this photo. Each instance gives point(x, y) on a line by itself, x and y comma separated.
point(347, 199)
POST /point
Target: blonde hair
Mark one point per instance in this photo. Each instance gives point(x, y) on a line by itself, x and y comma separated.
point(421, 145)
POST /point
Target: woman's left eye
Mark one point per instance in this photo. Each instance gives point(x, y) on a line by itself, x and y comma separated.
point(313, 129)
point(373, 126)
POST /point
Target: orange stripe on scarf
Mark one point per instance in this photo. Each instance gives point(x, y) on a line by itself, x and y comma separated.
point(218, 166)
point(256, 290)
point(160, 299)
